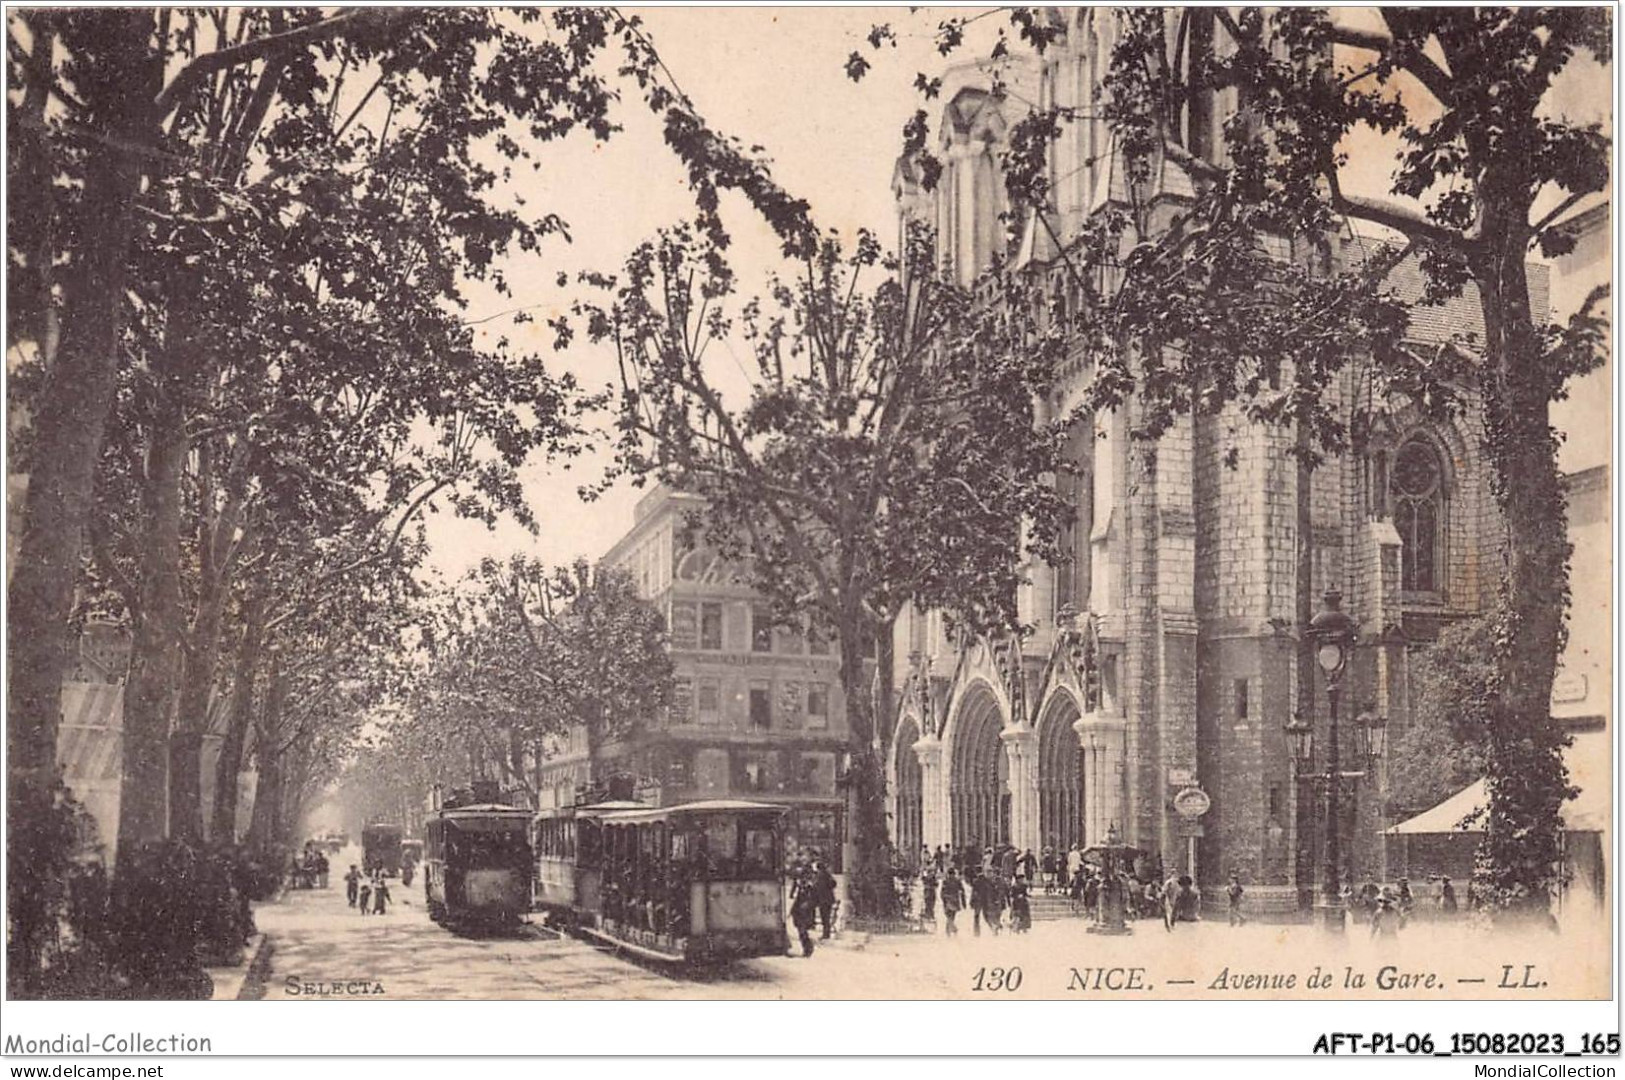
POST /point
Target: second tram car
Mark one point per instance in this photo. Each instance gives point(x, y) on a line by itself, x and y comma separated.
point(696, 882)
point(381, 849)
point(569, 868)
point(477, 864)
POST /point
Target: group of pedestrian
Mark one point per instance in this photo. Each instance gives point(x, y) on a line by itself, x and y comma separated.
point(1388, 908)
point(812, 899)
point(310, 868)
point(370, 894)
point(990, 882)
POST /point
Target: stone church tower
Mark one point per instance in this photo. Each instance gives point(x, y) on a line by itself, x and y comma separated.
point(1165, 655)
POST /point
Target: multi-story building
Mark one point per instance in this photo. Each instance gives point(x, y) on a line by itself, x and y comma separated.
point(758, 711)
point(1166, 653)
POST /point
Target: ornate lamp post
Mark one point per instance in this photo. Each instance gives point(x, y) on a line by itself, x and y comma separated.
point(1111, 908)
point(1332, 633)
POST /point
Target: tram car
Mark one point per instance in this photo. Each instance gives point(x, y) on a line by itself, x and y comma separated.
point(477, 864)
point(381, 849)
point(693, 883)
point(569, 874)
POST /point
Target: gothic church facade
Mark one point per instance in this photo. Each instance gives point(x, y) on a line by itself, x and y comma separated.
point(1164, 656)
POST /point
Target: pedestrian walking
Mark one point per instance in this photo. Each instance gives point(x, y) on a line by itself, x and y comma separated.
point(1048, 866)
point(1009, 858)
point(804, 911)
point(322, 869)
point(352, 885)
point(1171, 891)
point(824, 895)
point(1368, 898)
point(928, 891)
point(380, 896)
point(1027, 865)
point(1232, 894)
point(1447, 898)
point(366, 897)
point(953, 898)
point(1386, 921)
point(1021, 912)
point(981, 886)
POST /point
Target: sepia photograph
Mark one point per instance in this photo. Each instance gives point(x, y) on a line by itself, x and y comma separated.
point(809, 505)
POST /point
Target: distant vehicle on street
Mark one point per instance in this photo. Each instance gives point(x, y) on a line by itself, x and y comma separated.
point(477, 864)
point(381, 849)
point(695, 883)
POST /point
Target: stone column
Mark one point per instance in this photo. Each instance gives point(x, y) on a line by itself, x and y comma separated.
point(933, 792)
point(1091, 783)
point(1102, 738)
point(1018, 742)
point(1113, 808)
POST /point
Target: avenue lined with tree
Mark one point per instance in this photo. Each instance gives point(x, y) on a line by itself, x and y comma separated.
point(245, 372)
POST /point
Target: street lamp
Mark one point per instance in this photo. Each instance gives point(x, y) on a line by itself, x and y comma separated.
point(1331, 632)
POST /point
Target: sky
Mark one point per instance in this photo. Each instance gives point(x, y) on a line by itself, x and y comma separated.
point(768, 76)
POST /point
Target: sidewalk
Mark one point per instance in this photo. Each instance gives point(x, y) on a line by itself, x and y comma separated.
point(230, 982)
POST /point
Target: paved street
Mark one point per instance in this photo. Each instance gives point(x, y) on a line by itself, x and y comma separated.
point(324, 950)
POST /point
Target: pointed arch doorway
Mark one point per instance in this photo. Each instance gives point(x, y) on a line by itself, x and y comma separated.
point(979, 778)
point(1060, 775)
point(908, 810)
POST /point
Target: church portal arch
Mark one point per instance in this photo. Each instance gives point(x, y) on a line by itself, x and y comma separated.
point(1060, 773)
point(979, 777)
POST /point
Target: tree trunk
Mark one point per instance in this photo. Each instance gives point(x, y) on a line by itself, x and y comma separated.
point(262, 827)
point(869, 880)
point(223, 824)
point(155, 651)
point(66, 440)
point(1525, 775)
point(192, 716)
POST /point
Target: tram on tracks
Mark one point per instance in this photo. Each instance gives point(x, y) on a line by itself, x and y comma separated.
point(477, 864)
point(696, 882)
point(381, 849)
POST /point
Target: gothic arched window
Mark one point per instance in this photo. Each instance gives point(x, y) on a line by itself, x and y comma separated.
point(1417, 494)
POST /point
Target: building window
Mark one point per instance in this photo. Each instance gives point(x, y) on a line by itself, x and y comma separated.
point(761, 629)
point(685, 630)
point(818, 705)
point(1416, 484)
point(677, 770)
point(711, 626)
point(1241, 699)
point(710, 701)
point(682, 701)
point(1275, 800)
point(816, 774)
point(761, 706)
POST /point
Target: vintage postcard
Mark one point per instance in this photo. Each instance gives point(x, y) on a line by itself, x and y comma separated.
point(552, 504)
